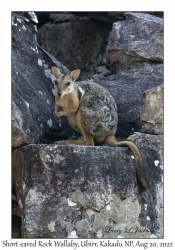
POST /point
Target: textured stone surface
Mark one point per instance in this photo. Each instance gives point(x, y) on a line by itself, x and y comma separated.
point(32, 84)
point(127, 88)
point(135, 42)
point(33, 105)
point(60, 17)
point(149, 142)
point(110, 17)
point(153, 143)
point(24, 130)
point(92, 192)
point(63, 129)
point(78, 42)
point(152, 111)
point(121, 14)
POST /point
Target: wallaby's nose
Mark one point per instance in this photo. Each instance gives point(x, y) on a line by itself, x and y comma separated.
point(59, 93)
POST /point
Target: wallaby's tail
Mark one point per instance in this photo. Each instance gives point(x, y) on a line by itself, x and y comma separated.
point(111, 140)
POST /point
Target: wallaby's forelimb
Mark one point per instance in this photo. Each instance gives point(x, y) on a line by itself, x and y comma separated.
point(65, 112)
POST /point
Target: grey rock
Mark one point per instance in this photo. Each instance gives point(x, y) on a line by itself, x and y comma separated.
point(153, 143)
point(152, 111)
point(79, 43)
point(82, 228)
point(50, 61)
point(32, 98)
point(127, 88)
point(107, 16)
point(78, 198)
point(33, 105)
point(65, 17)
point(149, 142)
point(112, 16)
point(32, 16)
point(135, 42)
point(48, 184)
point(24, 130)
point(120, 15)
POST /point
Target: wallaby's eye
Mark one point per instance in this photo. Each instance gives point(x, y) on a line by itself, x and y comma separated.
point(55, 82)
point(68, 83)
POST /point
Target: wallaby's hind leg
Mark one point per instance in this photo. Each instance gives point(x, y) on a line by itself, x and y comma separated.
point(111, 140)
point(88, 141)
point(87, 138)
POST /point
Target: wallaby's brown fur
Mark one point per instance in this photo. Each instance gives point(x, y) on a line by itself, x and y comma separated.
point(92, 111)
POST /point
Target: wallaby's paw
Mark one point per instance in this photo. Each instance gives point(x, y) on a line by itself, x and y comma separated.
point(58, 119)
point(57, 116)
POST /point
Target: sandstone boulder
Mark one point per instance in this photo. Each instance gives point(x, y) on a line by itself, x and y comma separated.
point(127, 88)
point(155, 144)
point(32, 84)
point(120, 15)
point(135, 42)
point(149, 142)
point(110, 17)
point(91, 192)
point(32, 110)
point(78, 42)
point(152, 111)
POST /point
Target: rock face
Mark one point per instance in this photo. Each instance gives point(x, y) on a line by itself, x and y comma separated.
point(92, 194)
point(149, 142)
point(78, 42)
point(135, 42)
point(30, 93)
point(152, 112)
point(112, 16)
point(32, 97)
point(127, 88)
point(155, 144)
point(135, 57)
point(109, 17)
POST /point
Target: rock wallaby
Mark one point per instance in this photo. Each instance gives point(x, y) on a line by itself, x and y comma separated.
point(92, 111)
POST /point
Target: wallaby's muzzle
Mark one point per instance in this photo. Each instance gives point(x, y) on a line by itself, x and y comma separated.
point(59, 93)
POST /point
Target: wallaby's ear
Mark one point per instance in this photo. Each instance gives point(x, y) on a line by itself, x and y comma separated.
point(55, 71)
point(75, 74)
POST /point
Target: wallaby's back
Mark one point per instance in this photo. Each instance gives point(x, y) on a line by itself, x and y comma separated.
point(98, 110)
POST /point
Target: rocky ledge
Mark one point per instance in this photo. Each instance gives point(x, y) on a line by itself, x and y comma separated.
point(78, 191)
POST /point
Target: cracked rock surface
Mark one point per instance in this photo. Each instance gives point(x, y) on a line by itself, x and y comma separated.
point(90, 190)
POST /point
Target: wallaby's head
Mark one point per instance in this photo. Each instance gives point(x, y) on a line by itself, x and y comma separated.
point(64, 84)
